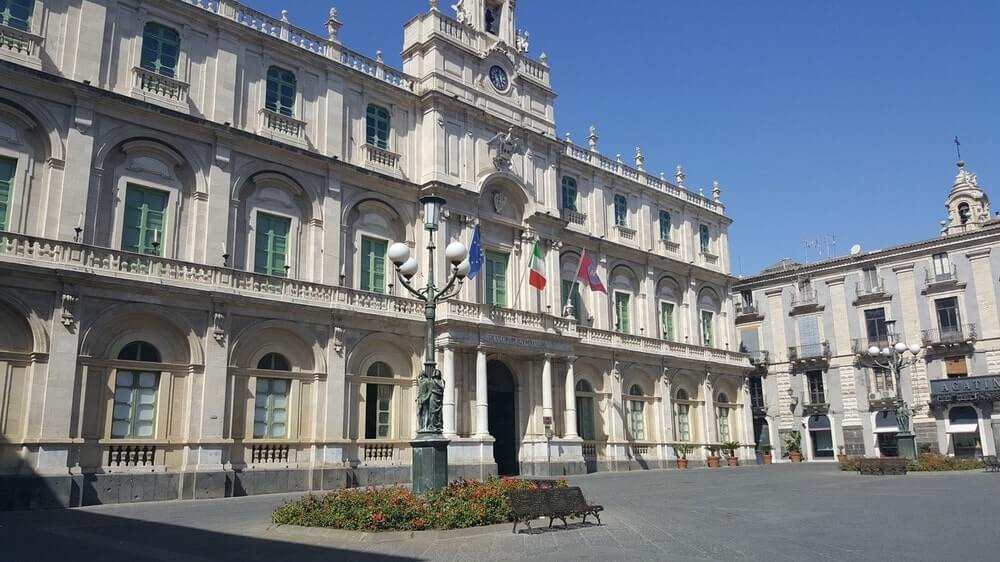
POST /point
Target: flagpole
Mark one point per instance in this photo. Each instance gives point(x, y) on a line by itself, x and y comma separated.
point(576, 281)
point(517, 289)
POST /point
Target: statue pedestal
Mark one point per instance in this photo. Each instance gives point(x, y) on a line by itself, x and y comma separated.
point(429, 467)
point(907, 446)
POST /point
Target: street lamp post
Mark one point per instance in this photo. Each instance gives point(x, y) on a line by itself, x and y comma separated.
point(429, 465)
point(895, 358)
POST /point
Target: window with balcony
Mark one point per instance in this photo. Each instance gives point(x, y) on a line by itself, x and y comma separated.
point(869, 276)
point(373, 264)
point(667, 321)
point(947, 316)
point(664, 225)
point(377, 126)
point(621, 210)
point(496, 278)
point(636, 413)
point(623, 312)
point(8, 167)
point(134, 409)
point(569, 193)
point(817, 394)
point(378, 403)
point(707, 328)
point(810, 344)
point(144, 220)
point(942, 266)
point(876, 327)
point(756, 392)
point(270, 417)
point(161, 47)
point(271, 245)
point(704, 239)
point(281, 87)
point(682, 415)
point(17, 13)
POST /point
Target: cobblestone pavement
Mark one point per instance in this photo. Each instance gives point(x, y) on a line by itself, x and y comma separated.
point(780, 512)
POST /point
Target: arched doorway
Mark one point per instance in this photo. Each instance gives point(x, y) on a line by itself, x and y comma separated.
point(821, 436)
point(502, 416)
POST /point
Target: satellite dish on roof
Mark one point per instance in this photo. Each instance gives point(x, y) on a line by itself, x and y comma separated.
point(855, 249)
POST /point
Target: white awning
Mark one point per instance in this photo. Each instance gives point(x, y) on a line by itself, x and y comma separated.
point(963, 428)
point(886, 429)
point(963, 419)
point(885, 422)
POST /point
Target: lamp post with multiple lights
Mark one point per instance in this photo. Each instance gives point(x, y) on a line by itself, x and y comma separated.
point(895, 357)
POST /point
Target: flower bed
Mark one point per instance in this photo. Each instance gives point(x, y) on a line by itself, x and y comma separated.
point(928, 462)
point(464, 503)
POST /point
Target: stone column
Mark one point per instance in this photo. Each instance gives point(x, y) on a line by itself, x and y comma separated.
point(547, 387)
point(710, 429)
point(448, 401)
point(747, 418)
point(570, 395)
point(482, 405)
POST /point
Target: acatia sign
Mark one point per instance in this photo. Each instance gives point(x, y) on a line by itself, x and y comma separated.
point(966, 389)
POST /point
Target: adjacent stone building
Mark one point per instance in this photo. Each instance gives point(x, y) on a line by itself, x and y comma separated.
point(807, 328)
point(195, 204)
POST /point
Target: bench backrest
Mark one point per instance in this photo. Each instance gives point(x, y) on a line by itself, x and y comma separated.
point(529, 503)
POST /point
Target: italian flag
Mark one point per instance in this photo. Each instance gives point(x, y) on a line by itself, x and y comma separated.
point(536, 278)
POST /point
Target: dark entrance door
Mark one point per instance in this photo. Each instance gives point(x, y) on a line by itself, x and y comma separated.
point(502, 421)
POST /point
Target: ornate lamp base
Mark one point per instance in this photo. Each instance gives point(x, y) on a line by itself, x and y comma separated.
point(429, 467)
point(907, 446)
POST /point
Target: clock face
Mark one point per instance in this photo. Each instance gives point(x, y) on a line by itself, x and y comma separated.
point(498, 77)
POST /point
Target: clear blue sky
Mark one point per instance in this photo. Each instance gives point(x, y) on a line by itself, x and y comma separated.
point(817, 118)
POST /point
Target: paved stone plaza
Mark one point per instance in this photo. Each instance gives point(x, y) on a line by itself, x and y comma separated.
point(781, 512)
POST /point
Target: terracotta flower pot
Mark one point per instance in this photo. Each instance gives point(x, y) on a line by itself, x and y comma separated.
point(732, 461)
point(841, 458)
point(713, 462)
point(795, 456)
point(682, 463)
point(767, 459)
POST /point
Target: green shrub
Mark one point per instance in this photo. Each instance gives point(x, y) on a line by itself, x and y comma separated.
point(464, 503)
point(929, 462)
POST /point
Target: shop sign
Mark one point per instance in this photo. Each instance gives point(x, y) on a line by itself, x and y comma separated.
point(966, 389)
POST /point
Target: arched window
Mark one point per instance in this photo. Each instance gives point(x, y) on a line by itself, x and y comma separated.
point(722, 411)
point(161, 47)
point(274, 362)
point(17, 13)
point(569, 193)
point(963, 213)
point(140, 351)
point(682, 415)
point(585, 410)
point(378, 403)
point(636, 414)
point(134, 410)
point(281, 86)
point(377, 126)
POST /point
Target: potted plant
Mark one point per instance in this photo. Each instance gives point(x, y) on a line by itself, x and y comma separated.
point(713, 456)
point(682, 451)
point(841, 457)
point(793, 444)
point(729, 448)
point(765, 453)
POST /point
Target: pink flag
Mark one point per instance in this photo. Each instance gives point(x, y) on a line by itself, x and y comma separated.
point(588, 274)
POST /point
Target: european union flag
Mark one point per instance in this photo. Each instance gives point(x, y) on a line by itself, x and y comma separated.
point(476, 256)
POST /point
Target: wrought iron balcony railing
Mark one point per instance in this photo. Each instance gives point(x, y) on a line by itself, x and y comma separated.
point(805, 297)
point(809, 352)
point(860, 346)
point(870, 289)
point(942, 277)
point(963, 333)
point(746, 309)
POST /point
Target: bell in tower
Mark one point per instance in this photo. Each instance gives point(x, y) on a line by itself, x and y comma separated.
point(968, 205)
point(493, 17)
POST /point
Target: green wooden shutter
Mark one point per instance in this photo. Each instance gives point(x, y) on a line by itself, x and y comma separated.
point(496, 278)
point(622, 312)
point(667, 320)
point(8, 166)
point(143, 228)
point(271, 244)
point(373, 264)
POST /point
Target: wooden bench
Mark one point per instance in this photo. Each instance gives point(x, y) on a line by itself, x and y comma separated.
point(991, 464)
point(882, 466)
point(554, 503)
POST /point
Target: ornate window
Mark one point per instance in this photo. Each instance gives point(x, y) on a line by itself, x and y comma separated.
point(621, 210)
point(664, 225)
point(585, 410)
point(270, 418)
point(161, 46)
point(17, 13)
point(682, 414)
point(271, 245)
point(623, 311)
point(377, 126)
point(378, 403)
point(704, 238)
point(8, 166)
point(373, 264)
point(707, 328)
point(281, 86)
point(568, 193)
point(667, 321)
point(722, 411)
point(274, 362)
point(636, 414)
point(496, 278)
point(144, 220)
point(134, 409)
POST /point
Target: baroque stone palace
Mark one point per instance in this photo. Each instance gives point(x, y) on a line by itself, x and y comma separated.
point(807, 328)
point(195, 204)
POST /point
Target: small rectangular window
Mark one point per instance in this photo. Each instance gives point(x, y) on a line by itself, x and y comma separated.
point(17, 13)
point(816, 391)
point(270, 418)
point(622, 313)
point(7, 168)
point(134, 411)
point(377, 126)
point(704, 238)
point(871, 280)
point(942, 265)
point(667, 321)
point(621, 210)
point(280, 95)
point(947, 315)
point(373, 264)
point(496, 278)
point(569, 193)
point(664, 225)
point(143, 225)
point(161, 46)
point(875, 324)
point(271, 248)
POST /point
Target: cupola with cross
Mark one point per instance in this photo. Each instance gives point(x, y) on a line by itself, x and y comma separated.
point(968, 205)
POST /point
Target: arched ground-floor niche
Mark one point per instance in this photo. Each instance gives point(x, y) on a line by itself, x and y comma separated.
point(502, 416)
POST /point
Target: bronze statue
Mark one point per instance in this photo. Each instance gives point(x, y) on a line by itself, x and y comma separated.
point(430, 397)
